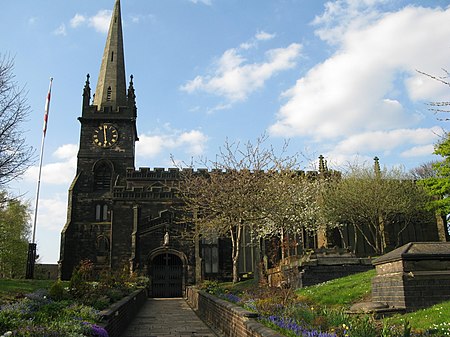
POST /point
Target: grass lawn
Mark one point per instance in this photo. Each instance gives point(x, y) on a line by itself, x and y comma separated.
point(343, 292)
point(10, 289)
point(433, 317)
point(340, 292)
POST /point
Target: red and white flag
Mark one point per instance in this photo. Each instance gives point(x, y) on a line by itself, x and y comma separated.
point(47, 106)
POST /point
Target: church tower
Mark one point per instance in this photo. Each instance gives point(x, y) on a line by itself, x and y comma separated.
point(106, 151)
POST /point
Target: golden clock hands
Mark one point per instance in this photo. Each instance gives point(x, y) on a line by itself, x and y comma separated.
point(104, 134)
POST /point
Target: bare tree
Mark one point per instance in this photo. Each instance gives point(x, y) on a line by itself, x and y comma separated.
point(15, 154)
point(424, 170)
point(229, 196)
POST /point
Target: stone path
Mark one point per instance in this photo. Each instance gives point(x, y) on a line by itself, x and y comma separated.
point(167, 317)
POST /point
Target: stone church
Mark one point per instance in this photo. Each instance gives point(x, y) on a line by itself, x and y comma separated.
point(119, 217)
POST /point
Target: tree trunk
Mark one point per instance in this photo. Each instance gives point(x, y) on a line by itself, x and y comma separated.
point(235, 233)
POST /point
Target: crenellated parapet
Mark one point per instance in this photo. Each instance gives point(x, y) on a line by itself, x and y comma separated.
point(158, 192)
point(145, 173)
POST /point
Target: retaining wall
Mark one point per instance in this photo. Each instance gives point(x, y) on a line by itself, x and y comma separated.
point(225, 317)
point(116, 318)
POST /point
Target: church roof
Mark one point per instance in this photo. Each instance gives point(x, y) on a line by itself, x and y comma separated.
point(111, 85)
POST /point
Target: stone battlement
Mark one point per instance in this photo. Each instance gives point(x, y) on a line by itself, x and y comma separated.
point(174, 173)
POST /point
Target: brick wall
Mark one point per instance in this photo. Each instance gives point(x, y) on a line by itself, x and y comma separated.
point(229, 319)
point(116, 318)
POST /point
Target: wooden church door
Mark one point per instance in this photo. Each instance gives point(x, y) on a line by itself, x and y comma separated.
point(167, 276)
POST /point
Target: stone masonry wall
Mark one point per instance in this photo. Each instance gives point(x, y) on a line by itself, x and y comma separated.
point(312, 275)
point(411, 290)
point(229, 319)
point(116, 318)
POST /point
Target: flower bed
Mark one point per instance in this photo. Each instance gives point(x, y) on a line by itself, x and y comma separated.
point(38, 315)
point(74, 311)
point(285, 312)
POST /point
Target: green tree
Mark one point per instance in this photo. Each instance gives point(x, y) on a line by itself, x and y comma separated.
point(14, 234)
point(438, 185)
point(370, 200)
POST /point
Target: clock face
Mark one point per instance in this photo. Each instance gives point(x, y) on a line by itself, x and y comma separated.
point(105, 135)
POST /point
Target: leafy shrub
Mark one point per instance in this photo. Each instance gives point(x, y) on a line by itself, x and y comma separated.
point(56, 291)
point(212, 287)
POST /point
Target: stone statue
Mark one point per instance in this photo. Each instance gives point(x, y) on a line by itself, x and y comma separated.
point(166, 239)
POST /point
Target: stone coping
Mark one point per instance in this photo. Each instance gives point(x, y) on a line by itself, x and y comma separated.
point(243, 324)
point(113, 308)
point(417, 251)
point(230, 306)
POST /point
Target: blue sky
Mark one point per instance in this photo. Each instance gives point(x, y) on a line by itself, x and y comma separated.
point(336, 78)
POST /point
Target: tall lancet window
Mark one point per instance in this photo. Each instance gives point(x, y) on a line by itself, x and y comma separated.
point(108, 94)
point(102, 177)
point(112, 56)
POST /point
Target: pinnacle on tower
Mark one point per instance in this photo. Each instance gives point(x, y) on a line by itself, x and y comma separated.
point(376, 167)
point(111, 86)
point(322, 165)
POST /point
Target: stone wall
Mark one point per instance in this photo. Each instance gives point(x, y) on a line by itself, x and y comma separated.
point(225, 317)
point(116, 318)
point(311, 275)
point(44, 271)
point(298, 272)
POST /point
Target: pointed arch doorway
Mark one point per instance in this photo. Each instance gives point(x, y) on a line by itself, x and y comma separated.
point(167, 274)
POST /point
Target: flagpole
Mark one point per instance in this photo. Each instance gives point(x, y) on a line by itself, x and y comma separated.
point(31, 258)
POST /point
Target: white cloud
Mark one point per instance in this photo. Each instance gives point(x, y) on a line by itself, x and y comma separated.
point(205, 2)
point(191, 142)
point(66, 151)
point(354, 91)
point(57, 173)
point(410, 143)
point(137, 18)
point(100, 21)
point(77, 20)
point(418, 151)
point(382, 141)
point(263, 36)
point(235, 79)
point(61, 30)
point(341, 16)
point(52, 212)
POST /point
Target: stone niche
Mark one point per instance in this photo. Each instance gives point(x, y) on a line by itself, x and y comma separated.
point(414, 276)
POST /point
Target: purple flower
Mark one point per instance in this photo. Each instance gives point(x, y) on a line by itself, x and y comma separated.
point(95, 330)
point(291, 325)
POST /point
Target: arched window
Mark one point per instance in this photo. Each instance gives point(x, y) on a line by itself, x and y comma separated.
point(98, 212)
point(102, 245)
point(101, 212)
point(105, 212)
point(102, 177)
point(108, 94)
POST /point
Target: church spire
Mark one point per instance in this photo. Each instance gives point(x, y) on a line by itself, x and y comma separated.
point(111, 86)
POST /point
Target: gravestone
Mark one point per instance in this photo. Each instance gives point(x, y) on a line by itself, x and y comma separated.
point(414, 276)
